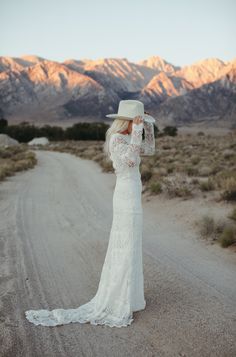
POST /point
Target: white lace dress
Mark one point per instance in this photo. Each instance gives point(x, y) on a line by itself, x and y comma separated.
point(121, 289)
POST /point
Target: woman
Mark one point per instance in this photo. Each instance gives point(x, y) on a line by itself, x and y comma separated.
point(120, 291)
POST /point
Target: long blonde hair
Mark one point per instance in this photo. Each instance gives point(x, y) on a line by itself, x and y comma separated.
point(117, 126)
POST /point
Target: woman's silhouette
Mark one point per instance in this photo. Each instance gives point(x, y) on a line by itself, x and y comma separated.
point(121, 287)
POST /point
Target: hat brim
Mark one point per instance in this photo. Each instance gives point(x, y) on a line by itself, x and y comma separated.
point(148, 118)
point(116, 116)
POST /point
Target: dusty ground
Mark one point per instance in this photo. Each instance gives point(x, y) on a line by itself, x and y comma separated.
point(54, 229)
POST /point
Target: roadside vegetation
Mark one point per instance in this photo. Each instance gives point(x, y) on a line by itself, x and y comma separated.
point(222, 230)
point(16, 158)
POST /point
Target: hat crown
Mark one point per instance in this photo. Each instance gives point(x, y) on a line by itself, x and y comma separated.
point(130, 108)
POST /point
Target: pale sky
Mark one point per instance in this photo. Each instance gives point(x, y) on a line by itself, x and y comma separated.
point(180, 31)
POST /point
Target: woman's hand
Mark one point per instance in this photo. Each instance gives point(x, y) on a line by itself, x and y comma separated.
point(138, 119)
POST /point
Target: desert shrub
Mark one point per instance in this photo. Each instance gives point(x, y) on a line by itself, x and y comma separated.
point(6, 169)
point(89, 153)
point(177, 186)
point(106, 165)
point(207, 185)
point(233, 214)
point(207, 226)
point(195, 160)
point(170, 169)
point(166, 146)
point(221, 231)
point(216, 168)
point(220, 225)
point(155, 187)
point(81, 150)
point(204, 171)
point(22, 165)
point(223, 176)
point(98, 157)
point(15, 158)
point(227, 154)
point(227, 237)
point(12, 151)
point(195, 181)
point(170, 159)
point(191, 171)
point(229, 193)
point(162, 171)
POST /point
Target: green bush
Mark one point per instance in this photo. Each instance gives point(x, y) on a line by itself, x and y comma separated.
point(228, 237)
point(155, 187)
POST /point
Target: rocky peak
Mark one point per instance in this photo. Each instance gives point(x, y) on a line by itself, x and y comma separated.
point(159, 64)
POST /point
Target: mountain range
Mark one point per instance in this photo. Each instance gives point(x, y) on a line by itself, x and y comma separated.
point(34, 89)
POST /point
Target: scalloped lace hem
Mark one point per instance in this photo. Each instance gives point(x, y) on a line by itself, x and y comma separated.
point(49, 318)
point(82, 314)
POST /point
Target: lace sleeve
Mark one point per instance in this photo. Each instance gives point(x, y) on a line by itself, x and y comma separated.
point(148, 145)
point(128, 152)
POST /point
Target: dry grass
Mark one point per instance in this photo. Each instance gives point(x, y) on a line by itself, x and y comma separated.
point(15, 158)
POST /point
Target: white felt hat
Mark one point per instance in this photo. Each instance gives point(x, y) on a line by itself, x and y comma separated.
point(130, 108)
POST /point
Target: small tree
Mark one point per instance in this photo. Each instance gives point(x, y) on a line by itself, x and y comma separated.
point(170, 130)
point(3, 124)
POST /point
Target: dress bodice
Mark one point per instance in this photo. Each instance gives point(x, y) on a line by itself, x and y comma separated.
point(126, 149)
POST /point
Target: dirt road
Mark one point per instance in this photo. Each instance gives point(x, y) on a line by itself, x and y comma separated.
point(55, 221)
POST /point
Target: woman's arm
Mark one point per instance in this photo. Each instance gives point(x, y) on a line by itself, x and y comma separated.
point(148, 145)
point(128, 152)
